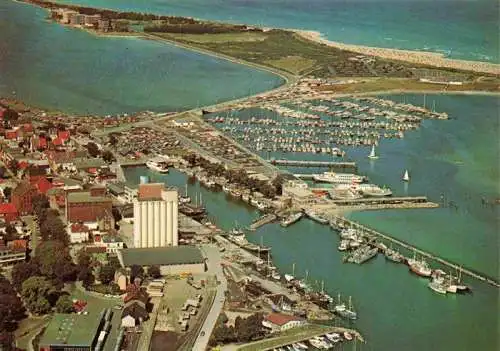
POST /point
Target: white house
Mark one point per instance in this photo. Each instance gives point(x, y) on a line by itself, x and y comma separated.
point(78, 233)
point(279, 322)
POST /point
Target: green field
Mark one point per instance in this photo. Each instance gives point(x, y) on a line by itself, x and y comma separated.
point(289, 52)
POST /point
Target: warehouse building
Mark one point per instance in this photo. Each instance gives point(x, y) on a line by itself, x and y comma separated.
point(171, 260)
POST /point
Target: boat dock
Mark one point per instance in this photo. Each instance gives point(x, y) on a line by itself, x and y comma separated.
point(305, 163)
point(342, 221)
point(268, 218)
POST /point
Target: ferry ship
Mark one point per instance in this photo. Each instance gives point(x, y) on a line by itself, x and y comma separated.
point(338, 178)
point(285, 222)
point(373, 190)
point(158, 165)
point(315, 216)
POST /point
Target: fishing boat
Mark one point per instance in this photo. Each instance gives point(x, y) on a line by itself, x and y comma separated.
point(315, 216)
point(294, 217)
point(406, 176)
point(373, 155)
point(419, 267)
point(345, 311)
point(393, 255)
point(438, 285)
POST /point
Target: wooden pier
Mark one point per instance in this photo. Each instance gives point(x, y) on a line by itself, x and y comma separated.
point(351, 224)
point(304, 163)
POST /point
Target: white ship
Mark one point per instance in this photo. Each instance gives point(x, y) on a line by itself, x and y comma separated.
point(373, 190)
point(157, 164)
point(338, 178)
point(373, 155)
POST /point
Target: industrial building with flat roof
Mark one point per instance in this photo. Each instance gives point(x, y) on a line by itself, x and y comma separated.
point(171, 260)
point(72, 332)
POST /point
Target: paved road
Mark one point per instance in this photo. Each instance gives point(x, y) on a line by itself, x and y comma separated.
point(214, 268)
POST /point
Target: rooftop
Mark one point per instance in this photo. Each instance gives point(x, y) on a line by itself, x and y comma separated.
point(84, 196)
point(162, 256)
point(71, 329)
point(281, 319)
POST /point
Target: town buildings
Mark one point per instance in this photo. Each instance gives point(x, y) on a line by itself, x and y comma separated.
point(155, 216)
point(13, 253)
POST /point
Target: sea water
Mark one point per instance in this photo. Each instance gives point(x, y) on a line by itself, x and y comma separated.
point(48, 65)
point(462, 29)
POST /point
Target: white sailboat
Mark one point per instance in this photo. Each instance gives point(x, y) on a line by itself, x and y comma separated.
point(373, 155)
point(406, 176)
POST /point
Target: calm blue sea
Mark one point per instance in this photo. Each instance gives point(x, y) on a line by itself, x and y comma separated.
point(49, 65)
point(462, 29)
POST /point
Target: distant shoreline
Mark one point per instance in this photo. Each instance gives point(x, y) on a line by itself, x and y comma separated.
point(419, 57)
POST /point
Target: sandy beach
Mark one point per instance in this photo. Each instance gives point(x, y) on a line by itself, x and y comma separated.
point(419, 57)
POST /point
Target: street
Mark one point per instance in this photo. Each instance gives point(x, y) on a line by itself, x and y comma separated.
point(214, 268)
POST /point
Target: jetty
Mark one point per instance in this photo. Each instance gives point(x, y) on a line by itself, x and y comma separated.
point(342, 222)
point(306, 163)
point(268, 218)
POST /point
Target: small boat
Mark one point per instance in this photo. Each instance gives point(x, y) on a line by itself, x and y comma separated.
point(406, 176)
point(291, 219)
point(373, 155)
point(347, 336)
point(438, 285)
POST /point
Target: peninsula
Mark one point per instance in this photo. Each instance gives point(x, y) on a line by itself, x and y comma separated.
point(290, 53)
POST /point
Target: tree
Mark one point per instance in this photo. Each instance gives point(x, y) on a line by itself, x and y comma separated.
point(64, 304)
point(93, 149)
point(2, 172)
point(106, 274)
point(136, 271)
point(7, 191)
point(7, 341)
point(11, 307)
point(10, 233)
point(23, 271)
point(36, 292)
point(47, 260)
point(154, 272)
point(117, 216)
point(52, 228)
point(83, 258)
point(108, 156)
point(40, 204)
point(113, 140)
point(86, 277)
point(278, 184)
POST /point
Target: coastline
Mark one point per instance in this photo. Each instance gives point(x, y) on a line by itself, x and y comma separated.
point(417, 57)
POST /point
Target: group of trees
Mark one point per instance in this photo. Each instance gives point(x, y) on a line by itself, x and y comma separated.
point(94, 151)
point(194, 28)
point(244, 330)
point(236, 176)
point(11, 312)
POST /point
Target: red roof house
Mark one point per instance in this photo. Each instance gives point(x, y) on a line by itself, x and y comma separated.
point(8, 212)
point(63, 135)
point(43, 185)
point(279, 322)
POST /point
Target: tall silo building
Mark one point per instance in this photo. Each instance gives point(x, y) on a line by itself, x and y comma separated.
point(155, 216)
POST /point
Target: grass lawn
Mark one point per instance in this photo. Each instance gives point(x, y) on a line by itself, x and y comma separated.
point(294, 64)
